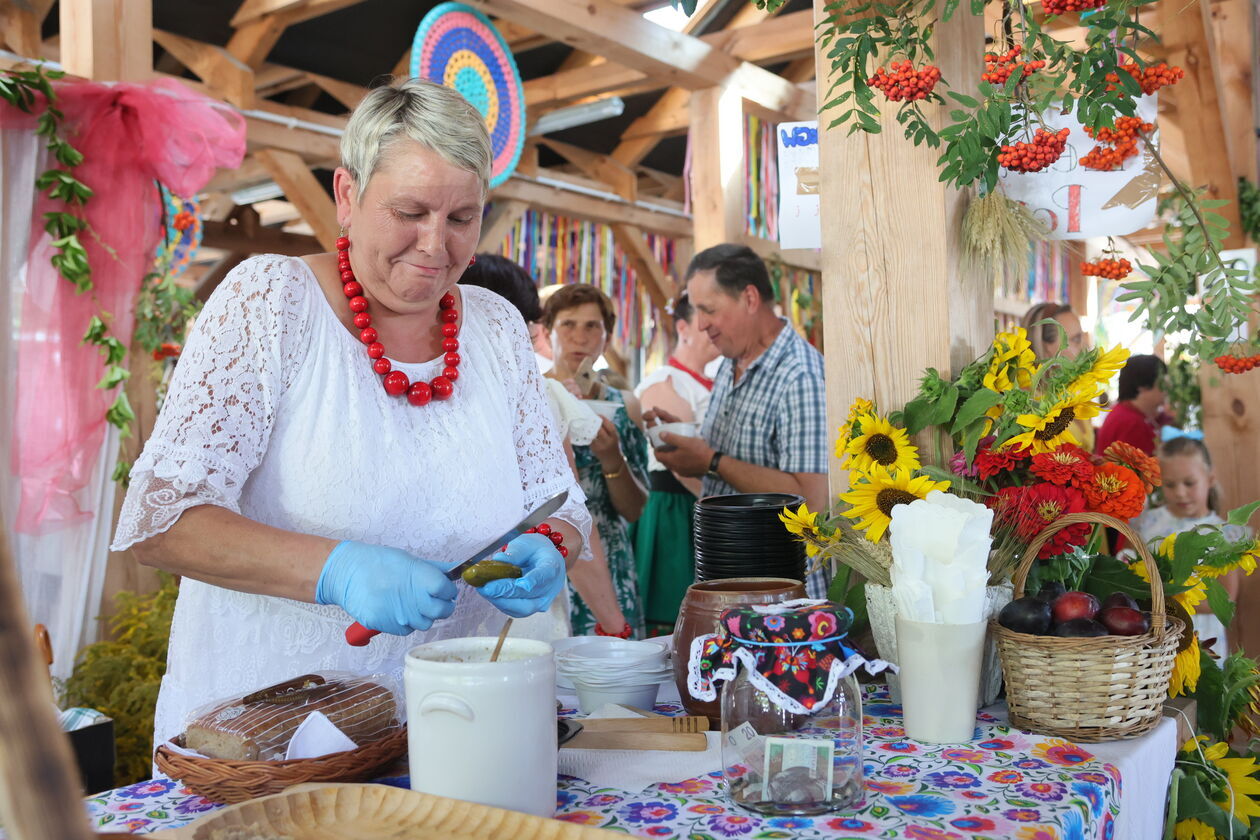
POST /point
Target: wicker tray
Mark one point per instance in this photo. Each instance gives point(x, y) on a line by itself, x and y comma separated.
point(226, 781)
point(376, 812)
point(1089, 689)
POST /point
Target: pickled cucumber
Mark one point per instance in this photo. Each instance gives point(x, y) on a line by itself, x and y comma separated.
point(479, 574)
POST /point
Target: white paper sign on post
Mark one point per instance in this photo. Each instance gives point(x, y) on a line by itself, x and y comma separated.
point(799, 223)
point(1075, 202)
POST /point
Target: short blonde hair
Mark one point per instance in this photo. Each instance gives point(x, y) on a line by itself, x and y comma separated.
point(436, 117)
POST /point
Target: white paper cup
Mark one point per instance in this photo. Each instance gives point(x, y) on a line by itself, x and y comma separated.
point(940, 679)
point(604, 408)
point(680, 428)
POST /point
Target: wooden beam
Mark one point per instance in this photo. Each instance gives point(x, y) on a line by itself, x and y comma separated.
point(895, 297)
point(800, 70)
point(780, 38)
point(717, 165)
point(768, 249)
point(620, 35)
point(619, 178)
point(576, 205)
point(252, 42)
point(290, 11)
point(503, 217)
point(346, 93)
point(611, 75)
point(21, 23)
point(107, 40)
point(646, 268)
point(226, 76)
point(1188, 39)
point(1233, 25)
point(304, 191)
point(230, 236)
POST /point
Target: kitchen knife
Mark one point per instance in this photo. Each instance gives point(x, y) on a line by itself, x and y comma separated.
point(358, 635)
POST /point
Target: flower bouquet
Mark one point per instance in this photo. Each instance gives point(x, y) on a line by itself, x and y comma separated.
point(1003, 432)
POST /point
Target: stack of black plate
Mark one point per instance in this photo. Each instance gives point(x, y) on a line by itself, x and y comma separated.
point(741, 536)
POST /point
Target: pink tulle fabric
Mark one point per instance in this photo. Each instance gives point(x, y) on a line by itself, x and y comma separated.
point(131, 136)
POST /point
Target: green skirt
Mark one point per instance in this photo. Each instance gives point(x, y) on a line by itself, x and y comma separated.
point(664, 556)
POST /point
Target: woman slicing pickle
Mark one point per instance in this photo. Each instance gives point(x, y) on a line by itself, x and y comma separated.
point(343, 428)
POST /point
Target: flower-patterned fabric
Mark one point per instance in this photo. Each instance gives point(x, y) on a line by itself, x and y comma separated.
point(794, 652)
point(1004, 785)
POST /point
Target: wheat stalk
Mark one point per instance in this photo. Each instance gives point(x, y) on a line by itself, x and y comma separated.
point(997, 234)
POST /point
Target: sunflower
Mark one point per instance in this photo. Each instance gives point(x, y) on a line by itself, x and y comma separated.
point(1102, 370)
point(1241, 785)
point(860, 408)
point(1193, 829)
point(804, 524)
point(880, 443)
point(871, 501)
point(1048, 430)
point(1186, 669)
point(1196, 591)
point(1013, 362)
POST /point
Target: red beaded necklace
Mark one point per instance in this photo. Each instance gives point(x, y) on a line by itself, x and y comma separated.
point(395, 381)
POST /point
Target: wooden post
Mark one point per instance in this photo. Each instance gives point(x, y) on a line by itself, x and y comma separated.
point(895, 300)
point(717, 165)
point(107, 40)
point(39, 787)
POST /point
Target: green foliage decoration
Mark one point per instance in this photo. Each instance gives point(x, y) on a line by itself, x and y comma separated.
point(121, 677)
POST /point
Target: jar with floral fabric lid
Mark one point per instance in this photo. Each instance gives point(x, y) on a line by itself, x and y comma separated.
point(791, 708)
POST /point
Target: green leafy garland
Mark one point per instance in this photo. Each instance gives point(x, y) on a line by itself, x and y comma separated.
point(859, 34)
point(22, 89)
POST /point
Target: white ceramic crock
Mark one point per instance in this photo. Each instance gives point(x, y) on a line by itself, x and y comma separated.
point(484, 731)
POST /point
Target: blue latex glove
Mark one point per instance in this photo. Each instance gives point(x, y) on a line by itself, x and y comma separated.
point(537, 588)
point(385, 589)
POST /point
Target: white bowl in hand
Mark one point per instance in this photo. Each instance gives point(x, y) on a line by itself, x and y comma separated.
point(681, 428)
point(603, 408)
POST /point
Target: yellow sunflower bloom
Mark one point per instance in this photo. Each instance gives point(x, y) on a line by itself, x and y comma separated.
point(872, 500)
point(1186, 670)
point(1103, 370)
point(804, 524)
point(1197, 591)
point(1193, 829)
point(1013, 363)
point(881, 444)
point(1046, 432)
point(860, 408)
point(1242, 786)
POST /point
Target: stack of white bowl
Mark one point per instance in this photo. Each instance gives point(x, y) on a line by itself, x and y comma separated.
point(606, 670)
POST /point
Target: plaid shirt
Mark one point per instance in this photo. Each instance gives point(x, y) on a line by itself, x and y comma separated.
point(775, 415)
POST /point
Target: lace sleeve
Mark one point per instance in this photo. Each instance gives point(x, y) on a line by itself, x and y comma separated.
point(218, 414)
point(539, 451)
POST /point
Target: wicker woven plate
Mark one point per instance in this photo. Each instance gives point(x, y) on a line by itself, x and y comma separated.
point(375, 812)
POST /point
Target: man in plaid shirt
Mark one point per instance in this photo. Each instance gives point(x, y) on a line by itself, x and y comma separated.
point(765, 430)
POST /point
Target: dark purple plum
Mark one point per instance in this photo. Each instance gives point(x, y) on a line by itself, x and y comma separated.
point(1076, 627)
point(1051, 590)
point(1120, 599)
point(1026, 615)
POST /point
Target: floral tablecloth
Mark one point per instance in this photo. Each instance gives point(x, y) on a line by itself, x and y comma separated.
point(1004, 784)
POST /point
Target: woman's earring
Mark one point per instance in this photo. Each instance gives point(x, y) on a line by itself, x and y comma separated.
point(473, 261)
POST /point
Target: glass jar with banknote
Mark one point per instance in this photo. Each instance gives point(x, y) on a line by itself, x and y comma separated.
point(791, 708)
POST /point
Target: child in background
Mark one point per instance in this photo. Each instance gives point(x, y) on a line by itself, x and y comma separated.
point(1190, 499)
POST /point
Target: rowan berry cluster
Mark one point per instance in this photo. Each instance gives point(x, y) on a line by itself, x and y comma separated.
point(1059, 7)
point(903, 82)
point(1115, 146)
point(998, 68)
point(1108, 268)
point(1046, 147)
point(1151, 78)
point(1237, 364)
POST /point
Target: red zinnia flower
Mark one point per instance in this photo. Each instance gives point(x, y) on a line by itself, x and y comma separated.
point(1066, 466)
point(1116, 490)
point(990, 462)
point(1042, 504)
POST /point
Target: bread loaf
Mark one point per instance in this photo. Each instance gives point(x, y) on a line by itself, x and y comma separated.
point(258, 727)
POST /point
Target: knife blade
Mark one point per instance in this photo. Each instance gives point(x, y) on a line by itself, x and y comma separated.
point(358, 635)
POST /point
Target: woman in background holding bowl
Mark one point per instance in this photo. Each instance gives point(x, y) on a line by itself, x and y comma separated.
point(613, 469)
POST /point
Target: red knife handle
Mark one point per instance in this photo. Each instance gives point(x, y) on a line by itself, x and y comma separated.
point(358, 635)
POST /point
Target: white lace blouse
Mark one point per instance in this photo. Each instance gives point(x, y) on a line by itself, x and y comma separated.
point(275, 413)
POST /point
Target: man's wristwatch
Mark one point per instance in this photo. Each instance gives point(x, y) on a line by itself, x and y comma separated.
point(713, 465)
